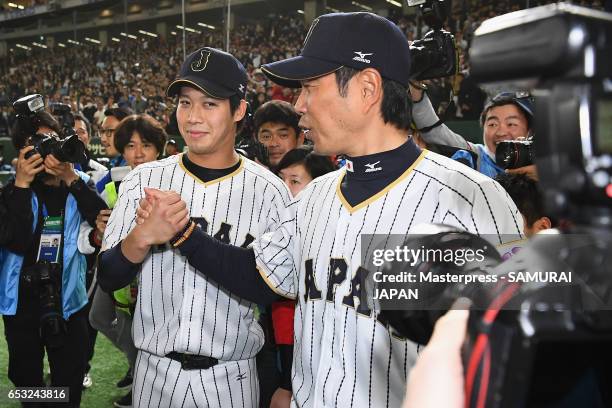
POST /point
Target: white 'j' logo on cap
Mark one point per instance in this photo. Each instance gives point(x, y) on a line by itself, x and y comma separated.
point(200, 64)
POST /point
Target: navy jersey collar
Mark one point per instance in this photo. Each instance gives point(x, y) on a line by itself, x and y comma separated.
point(384, 164)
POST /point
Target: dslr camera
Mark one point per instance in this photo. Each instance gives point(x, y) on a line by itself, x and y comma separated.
point(512, 154)
point(68, 148)
point(434, 55)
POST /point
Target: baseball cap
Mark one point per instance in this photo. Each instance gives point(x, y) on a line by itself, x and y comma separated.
point(522, 99)
point(215, 72)
point(119, 113)
point(357, 40)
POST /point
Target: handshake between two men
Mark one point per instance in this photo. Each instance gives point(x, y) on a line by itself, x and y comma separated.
point(162, 217)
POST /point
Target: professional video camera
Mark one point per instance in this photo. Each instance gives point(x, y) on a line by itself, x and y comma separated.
point(434, 55)
point(66, 149)
point(533, 342)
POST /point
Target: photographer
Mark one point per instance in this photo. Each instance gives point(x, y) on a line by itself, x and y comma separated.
point(43, 293)
point(82, 128)
point(508, 116)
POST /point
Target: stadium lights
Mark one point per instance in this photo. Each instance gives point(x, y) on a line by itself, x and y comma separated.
point(147, 33)
point(395, 3)
point(207, 26)
point(363, 6)
point(173, 32)
point(39, 45)
point(115, 39)
point(18, 6)
point(191, 30)
point(133, 37)
point(61, 45)
point(92, 40)
point(25, 47)
point(335, 10)
point(74, 42)
point(300, 11)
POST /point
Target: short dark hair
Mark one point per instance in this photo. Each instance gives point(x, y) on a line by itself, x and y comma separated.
point(21, 133)
point(119, 113)
point(148, 129)
point(396, 106)
point(80, 117)
point(277, 111)
point(526, 195)
point(316, 165)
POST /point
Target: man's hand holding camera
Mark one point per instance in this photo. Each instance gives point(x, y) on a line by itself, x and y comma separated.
point(27, 168)
point(63, 170)
point(160, 217)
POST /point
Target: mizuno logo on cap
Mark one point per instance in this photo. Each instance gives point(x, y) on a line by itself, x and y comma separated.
point(361, 57)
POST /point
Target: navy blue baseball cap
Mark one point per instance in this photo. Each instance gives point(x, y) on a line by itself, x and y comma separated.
point(214, 72)
point(522, 99)
point(355, 40)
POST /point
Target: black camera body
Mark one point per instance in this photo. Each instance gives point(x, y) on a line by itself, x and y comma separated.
point(434, 55)
point(64, 116)
point(47, 277)
point(69, 149)
point(512, 154)
point(66, 149)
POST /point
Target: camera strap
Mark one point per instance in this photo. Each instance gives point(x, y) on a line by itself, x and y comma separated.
point(51, 237)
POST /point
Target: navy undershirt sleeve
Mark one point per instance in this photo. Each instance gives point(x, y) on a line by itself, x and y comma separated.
point(230, 266)
point(115, 271)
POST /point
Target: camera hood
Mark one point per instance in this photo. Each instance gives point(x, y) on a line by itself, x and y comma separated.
point(553, 41)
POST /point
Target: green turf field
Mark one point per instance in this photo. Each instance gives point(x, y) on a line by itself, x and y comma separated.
point(108, 367)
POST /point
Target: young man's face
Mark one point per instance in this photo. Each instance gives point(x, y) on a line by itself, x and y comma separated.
point(139, 151)
point(206, 123)
point(506, 122)
point(278, 138)
point(327, 115)
point(107, 135)
point(296, 177)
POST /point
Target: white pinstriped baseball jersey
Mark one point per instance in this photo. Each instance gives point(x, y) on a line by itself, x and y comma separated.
point(179, 309)
point(344, 353)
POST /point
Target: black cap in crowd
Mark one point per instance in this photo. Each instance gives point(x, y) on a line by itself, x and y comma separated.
point(212, 71)
point(119, 113)
point(356, 40)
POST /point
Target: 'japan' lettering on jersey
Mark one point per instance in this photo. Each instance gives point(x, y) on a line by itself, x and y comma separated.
point(345, 354)
point(178, 308)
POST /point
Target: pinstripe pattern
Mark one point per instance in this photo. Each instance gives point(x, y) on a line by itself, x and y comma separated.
point(161, 382)
point(342, 356)
point(179, 309)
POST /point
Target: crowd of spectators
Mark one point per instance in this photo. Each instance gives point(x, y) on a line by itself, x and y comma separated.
point(134, 73)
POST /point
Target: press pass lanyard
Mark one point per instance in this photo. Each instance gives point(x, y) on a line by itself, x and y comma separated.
point(51, 237)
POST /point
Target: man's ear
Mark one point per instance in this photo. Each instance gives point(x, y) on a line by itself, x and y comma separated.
point(541, 224)
point(370, 87)
point(241, 111)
